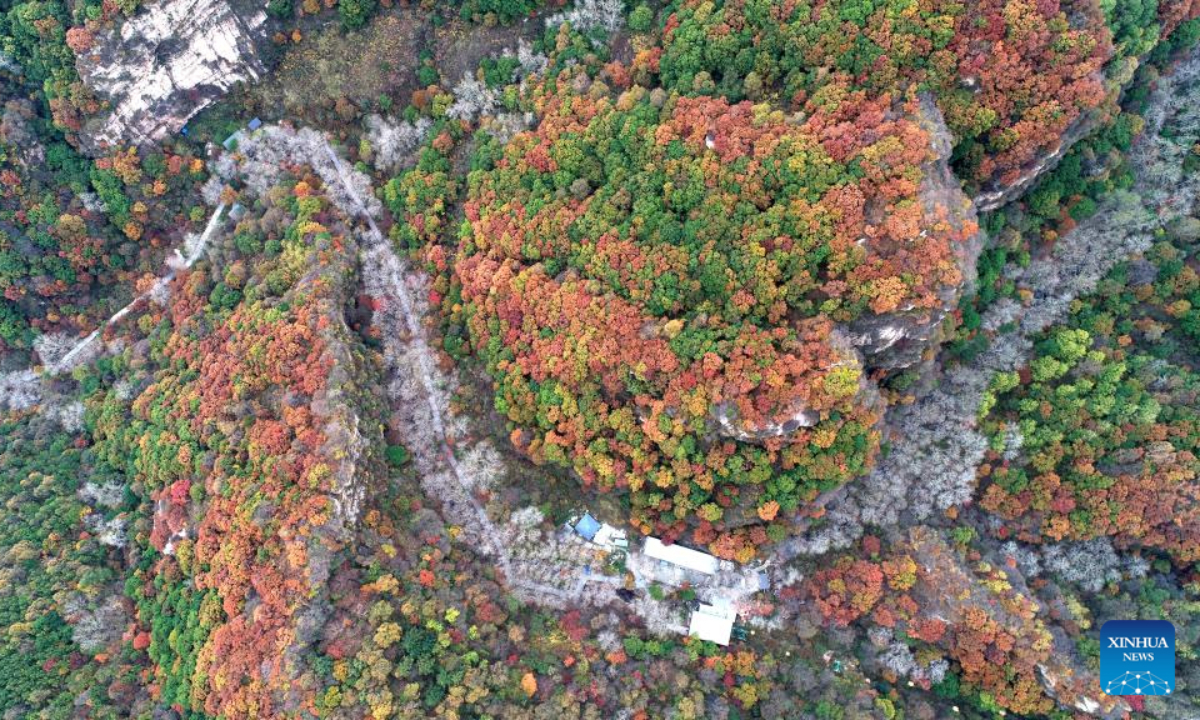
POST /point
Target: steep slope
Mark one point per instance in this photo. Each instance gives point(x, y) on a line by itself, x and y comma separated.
point(167, 63)
point(247, 440)
point(655, 284)
point(936, 447)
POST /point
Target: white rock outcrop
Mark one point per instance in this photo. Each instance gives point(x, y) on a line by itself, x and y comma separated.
point(167, 63)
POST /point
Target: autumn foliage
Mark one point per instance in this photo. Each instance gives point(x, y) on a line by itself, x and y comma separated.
point(1109, 428)
point(643, 278)
point(230, 442)
point(1011, 76)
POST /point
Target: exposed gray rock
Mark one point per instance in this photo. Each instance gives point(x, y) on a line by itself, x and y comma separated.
point(787, 421)
point(728, 425)
point(1099, 705)
point(997, 194)
point(935, 444)
point(897, 340)
point(167, 63)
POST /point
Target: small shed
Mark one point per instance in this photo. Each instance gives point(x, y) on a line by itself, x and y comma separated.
point(587, 527)
point(255, 124)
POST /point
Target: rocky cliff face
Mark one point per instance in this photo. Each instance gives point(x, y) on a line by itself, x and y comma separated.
point(997, 194)
point(167, 63)
point(726, 423)
point(897, 340)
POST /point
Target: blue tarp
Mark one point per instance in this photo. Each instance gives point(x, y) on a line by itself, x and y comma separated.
point(255, 124)
point(587, 526)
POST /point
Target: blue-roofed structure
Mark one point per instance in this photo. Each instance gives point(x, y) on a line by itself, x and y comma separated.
point(255, 124)
point(587, 527)
point(601, 534)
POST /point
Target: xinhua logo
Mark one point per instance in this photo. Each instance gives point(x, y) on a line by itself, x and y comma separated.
point(1137, 657)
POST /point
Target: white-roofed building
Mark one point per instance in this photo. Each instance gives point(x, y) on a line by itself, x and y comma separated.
point(713, 622)
point(599, 533)
point(610, 538)
point(684, 557)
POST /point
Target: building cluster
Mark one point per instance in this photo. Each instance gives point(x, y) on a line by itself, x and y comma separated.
point(718, 582)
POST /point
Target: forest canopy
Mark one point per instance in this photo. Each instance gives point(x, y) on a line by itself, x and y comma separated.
point(654, 282)
point(490, 359)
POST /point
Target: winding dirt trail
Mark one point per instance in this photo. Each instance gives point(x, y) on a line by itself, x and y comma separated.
point(66, 362)
point(444, 476)
point(22, 388)
point(380, 258)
